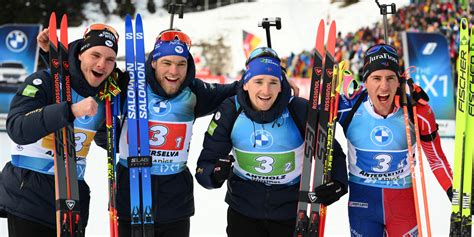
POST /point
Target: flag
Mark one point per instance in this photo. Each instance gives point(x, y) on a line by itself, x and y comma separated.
point(250, 42)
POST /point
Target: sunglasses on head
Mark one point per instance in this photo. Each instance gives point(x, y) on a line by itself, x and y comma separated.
point(377, 48)
point(170, 35)
point(262, 52)
point(102, 27)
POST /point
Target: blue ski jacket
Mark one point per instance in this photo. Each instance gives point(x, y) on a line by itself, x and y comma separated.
point(172, 188)
point(254, 135)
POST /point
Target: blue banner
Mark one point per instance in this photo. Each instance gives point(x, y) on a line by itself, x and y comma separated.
point(18, 47)
point(18, 59)
point(429, 53)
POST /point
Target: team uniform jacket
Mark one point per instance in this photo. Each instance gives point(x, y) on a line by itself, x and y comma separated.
point(170, 120)
point(268, 148)
point(377, 148)
point(27, 188)
point(381, 199)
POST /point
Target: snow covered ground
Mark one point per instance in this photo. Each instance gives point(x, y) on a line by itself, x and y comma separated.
point(299, 19)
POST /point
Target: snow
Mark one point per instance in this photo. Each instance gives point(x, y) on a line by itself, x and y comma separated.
point(299, 22)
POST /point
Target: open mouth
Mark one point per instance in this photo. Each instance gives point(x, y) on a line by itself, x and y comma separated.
point(264, 99)
point(172, 80)
point(97, 74)
point(383, 97)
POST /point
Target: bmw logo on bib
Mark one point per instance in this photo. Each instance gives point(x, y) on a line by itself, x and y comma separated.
point(160, 107)
point(84, 119)
point(16, 41)
point(262, 139)
point(381, 136)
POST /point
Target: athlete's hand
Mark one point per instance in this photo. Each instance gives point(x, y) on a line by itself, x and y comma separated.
point(294, 87)
point(43, 40)
point(330, 192)
point(85, 107)
point(222, 170)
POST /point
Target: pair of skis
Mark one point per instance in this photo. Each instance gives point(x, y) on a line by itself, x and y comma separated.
point(407, 102)
point(319, 135)
point(68, 221)
point(139, 160)
point(461, 214)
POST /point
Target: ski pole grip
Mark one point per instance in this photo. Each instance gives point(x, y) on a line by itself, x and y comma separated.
point(139, 161)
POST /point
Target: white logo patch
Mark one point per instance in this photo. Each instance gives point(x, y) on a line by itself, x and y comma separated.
point(109, 43)
point(37, 82)
point(217, 116)
point(179, 49)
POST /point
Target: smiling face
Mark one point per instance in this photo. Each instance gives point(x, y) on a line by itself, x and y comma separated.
point(263, 91)
point(170, 72)
point(382, 86)
point(97, 63)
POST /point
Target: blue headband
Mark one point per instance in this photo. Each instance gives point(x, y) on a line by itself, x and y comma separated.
point(263, 66)
point(167, 48)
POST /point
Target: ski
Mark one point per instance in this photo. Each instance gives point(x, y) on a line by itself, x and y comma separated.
point(316, 136)
point(139, 160)
point(466, 221)
point(314, 227)
point(461, 203)
point(68, 222)
point(305, 197)
point(338, 73)
point(405, 103)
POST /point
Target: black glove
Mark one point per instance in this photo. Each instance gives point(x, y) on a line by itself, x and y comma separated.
point(330, 192)
point(222, 170)
point(449, 192)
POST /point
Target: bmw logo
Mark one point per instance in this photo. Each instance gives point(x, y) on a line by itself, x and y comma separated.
point(16, 41)
point(85, 119)
point(262, 139)
point(159, 107)
point(381, 136)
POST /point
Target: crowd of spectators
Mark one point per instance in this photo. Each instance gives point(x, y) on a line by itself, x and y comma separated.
point(435, 16)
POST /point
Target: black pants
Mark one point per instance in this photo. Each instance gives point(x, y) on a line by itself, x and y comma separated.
point(19, 227)
point(173, 229)
point(239, 225)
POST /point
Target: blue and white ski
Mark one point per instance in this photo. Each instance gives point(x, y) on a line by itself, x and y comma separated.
point(139, 160)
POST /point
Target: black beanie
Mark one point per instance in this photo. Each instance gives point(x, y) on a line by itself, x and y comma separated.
point(379, 57)
point(99, 38)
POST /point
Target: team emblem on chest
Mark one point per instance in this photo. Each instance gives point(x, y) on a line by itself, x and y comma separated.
point(160, 107)
point(84, 119)
point(381, 136)
point(262, 139)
